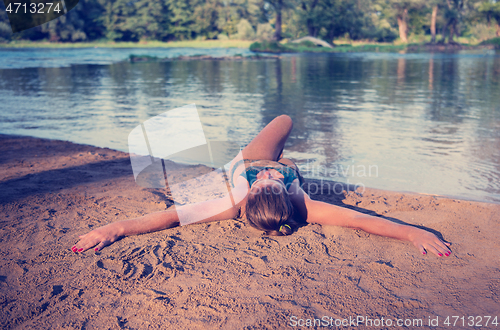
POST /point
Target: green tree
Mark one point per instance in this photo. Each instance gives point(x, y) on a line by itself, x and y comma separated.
point(206, 17)
point(329, 19)
point(452, 16)
point(433, 30)
point(245, 30)
point(278, 7)
point(5, 30)
point(347, 17)
point(231, 13)
point(490, 10)
point(82, 23)
point(127, 20)
point(381, 28)
point(455, 14)
point(399, 10)
point(181, 19)
point(311, 15)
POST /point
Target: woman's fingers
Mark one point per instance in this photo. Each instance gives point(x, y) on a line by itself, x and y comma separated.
point(439, 249)
point(97, 239)
point(100, 246)
point(86, 242)
point(443, 247)
point(432, 249)
point(81, 247)
point(428, 242)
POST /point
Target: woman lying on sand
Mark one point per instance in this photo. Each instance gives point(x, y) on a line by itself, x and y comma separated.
point(268, 190)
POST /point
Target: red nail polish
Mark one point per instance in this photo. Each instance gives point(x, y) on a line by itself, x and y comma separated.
point(96, 249)
point(423, 252)
point(440, 254)
point(80, 250)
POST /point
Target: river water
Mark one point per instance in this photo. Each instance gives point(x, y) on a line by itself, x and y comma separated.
point(427, 123)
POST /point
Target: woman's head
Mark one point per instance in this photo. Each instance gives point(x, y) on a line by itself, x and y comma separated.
point(269, 208)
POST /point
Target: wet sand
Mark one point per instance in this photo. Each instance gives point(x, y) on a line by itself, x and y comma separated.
point(222, 274)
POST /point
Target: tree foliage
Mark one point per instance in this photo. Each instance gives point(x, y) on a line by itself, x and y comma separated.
point(380, 20)
point(127, 20)
point(490, 10)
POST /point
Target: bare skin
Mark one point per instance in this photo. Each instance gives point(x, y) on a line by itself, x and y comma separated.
point(267, 145)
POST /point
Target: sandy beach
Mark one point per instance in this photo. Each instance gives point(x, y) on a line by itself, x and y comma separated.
point(225, 275)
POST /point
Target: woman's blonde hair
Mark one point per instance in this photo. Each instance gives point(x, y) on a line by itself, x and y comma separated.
point(270, 210)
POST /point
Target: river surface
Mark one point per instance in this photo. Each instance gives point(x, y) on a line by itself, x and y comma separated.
point(427, 123)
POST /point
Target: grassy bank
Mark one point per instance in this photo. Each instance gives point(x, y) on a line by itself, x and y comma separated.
point(309, 47)
point(264, 46)
point(142, 44)
point(494, 42)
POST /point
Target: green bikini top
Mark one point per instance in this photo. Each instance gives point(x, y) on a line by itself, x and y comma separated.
point(289, 174)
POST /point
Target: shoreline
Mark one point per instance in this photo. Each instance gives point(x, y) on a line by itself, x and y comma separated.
point(349, 187)
point(282, 48)
point(150, 44)
point(222, 274)
point(237, 57)
point(308, 47)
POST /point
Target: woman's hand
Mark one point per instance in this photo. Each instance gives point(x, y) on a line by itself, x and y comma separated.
point(427, 241)
point(101, 237)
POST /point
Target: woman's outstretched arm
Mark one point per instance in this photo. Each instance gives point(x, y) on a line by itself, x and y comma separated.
point(106, 235)
point(328, 214)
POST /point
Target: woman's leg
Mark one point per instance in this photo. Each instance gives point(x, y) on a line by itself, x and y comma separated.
point(269, 143)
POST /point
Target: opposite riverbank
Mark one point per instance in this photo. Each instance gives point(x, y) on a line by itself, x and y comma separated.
point(270, 47)
point(142, 44)
point(309, 47)
point(222, 274)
